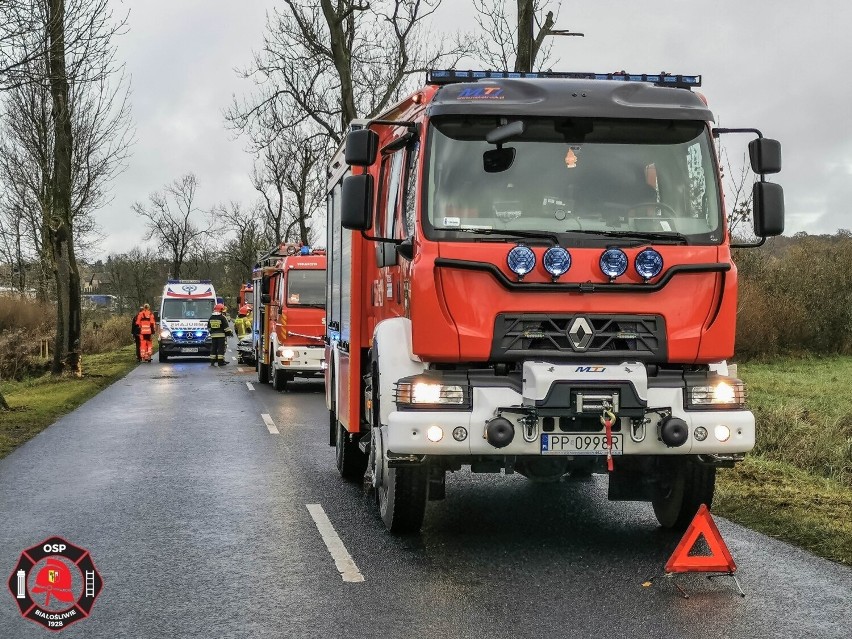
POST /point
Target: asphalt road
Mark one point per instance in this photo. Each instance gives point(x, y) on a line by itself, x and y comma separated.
point(195, 512)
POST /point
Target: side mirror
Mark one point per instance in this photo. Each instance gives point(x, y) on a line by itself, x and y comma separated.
point(768, 202)
point(265, 298)
point(156, 317)
point(765, 155)
point(405, 249)
point(356, 205)
point(361, 147)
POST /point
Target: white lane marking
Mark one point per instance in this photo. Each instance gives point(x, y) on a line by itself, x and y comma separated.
point(270, 425)
point(243, 370)
point(342, 559)
point(250, 387)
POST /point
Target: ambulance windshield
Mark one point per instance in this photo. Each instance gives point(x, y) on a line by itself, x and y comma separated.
point(178, 309)
point(584, 175)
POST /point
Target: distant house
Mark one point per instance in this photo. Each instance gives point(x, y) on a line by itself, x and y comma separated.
point(98, 283)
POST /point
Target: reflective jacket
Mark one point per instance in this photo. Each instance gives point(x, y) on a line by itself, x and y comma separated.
point(145, 322)
point(218, 325)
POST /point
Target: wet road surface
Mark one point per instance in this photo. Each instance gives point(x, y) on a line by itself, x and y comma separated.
point(194, 508)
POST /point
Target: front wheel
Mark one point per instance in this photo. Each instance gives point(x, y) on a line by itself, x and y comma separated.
point(401, 497)
point(685, 485)
point(162, 356)
point(351, 461)
point(262, 372)
point(279, 380)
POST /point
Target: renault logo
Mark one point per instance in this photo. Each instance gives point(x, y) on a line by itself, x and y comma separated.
point(580, 333)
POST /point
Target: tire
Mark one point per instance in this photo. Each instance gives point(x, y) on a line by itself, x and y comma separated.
point(684, 487)
point(351, 462)
point(262, 372)
point(279, 380)
point(401, 497)
point(162, 356)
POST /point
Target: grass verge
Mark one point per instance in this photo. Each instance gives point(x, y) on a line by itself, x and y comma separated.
point(788, 503)
point(38, 402)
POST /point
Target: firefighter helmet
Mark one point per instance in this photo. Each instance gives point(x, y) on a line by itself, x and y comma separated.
point(54, 579)
point(244, 309)
point(218, 308)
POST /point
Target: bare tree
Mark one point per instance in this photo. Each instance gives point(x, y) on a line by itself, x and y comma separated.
point(288, 175)
point(517, 40)
point(60, 46)
point(329, 62)
point(248, 237)
point(171, 219)
point(101, 134)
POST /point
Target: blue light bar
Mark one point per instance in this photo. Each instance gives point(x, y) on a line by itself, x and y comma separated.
point(453, 76)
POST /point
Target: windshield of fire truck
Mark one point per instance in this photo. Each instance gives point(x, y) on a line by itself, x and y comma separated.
point(574, 174)
point(306, 288)
point(187, 309)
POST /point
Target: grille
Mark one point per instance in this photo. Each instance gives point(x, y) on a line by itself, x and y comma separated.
point(636, 337)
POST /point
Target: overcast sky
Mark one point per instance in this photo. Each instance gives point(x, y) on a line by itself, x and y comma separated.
point(778, 66)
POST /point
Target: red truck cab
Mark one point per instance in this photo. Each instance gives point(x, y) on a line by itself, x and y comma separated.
point(532, 273)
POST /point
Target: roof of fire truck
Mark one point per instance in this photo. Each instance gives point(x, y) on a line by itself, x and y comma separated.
point(602, 95)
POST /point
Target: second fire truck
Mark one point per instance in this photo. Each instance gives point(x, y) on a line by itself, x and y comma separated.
point(288, 287)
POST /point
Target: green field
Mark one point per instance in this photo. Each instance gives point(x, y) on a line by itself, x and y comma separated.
point(797, 486)
point(37, 403)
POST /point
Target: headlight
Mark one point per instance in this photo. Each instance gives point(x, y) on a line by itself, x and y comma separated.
point(165, 334)
point(726, 393)
point(287, 353)
point(421, 393)
point(613, 262)
point(556, 261)
point(648, 264)
point(521, 260)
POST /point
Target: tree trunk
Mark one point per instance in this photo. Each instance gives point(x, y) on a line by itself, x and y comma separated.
point(3, 404)
point(66, 354)
point(524, 59)
point(342, 56)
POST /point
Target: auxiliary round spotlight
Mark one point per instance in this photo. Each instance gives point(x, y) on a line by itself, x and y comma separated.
point(722, 433)
point(521, 260)
point(435, 434)
point(556, 261)
point(649, 264)
point(700, 433)
point(459, 433)
point(613, 262)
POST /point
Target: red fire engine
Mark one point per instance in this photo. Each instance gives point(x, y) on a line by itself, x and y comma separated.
point(289, 314)
point(532, 273)
point(245, 296)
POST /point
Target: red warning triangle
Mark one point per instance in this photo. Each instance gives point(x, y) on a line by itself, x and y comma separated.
point(719, 559)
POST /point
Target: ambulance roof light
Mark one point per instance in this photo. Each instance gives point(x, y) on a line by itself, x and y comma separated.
point(453, 76)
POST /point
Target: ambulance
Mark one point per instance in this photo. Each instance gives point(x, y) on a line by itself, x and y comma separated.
point(185, 307)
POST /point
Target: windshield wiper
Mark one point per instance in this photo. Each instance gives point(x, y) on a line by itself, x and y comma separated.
point(668, 238)
point(541, 235)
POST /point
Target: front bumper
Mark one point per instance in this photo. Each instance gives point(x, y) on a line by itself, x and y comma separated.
point(407, 429)
point(306, 360)
point(189, 349)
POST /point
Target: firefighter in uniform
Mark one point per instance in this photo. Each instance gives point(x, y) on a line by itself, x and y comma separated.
point(147, 328)
point(242, 325)
point(219, 330)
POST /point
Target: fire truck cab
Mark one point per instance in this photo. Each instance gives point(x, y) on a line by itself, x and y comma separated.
point(289, 290)
point(532, 273)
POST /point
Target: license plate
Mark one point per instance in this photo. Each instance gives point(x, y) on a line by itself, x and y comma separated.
point(189, 350)
point(579, 444)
